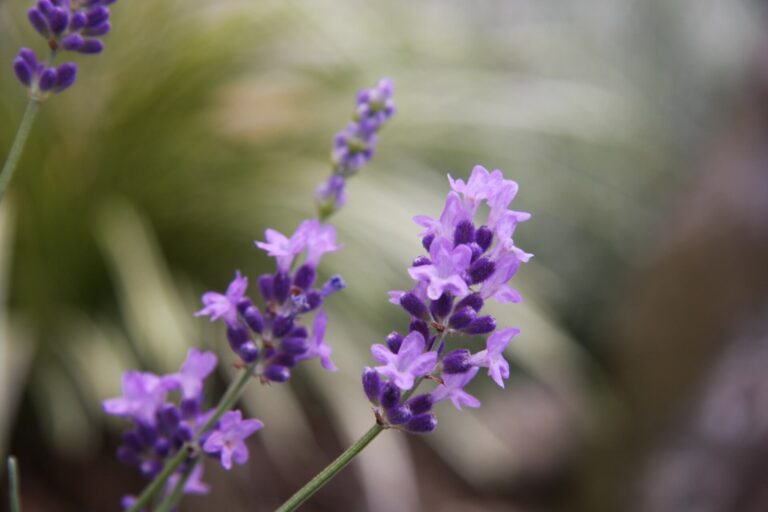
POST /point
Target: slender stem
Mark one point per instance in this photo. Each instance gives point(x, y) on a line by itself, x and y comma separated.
point(178, 490)
point(13, 484)
point(331, 471)
point(18, 144)
point(231, 396)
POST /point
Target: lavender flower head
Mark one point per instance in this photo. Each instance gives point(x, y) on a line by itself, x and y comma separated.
point(167, 415)
point(467, 265)
point(272, 340)
point(354, 146)
point(66, 25)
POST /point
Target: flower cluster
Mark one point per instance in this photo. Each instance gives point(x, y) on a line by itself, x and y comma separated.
point(167, 412)
point(467, 265)
point(353, 147)
point(271, 340)
point(69, 25)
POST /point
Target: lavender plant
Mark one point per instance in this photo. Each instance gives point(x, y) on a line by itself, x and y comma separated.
point(171, 428)
point(66, 26)
point(467, 265)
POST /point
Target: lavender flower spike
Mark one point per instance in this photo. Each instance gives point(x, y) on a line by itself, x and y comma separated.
point(227, 441)
point(453, 389)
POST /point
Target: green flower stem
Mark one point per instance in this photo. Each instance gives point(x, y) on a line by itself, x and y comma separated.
point(13, 484)
point(231, 396)
point(331, 471)
point(178, 490)
point(18, 144)
point(345, 458)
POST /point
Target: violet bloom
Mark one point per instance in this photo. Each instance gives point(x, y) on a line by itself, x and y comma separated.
point(453, 389)
point(317, 345)
point(227, 441)
point(224, 306)
point(355, 145)
point(409, 362)
point(282, 248)
point(470, 261)
point(40, 79)
point(193, 373)
point(493, 356)
point(143, 394)
point(193, 485)
point(445, 273)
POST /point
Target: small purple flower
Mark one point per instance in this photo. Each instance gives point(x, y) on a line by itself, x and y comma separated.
point(224, 306)
point(453, 213)
point(317, 345)
point(41, 79)
point(194, 371)
point(193, 485)
point(453, 389)
point(493, 358)
point(143, 394)
point(445, 273)
point(227, 441)
point(319, 240)
point(408, 363)
point(282, 248)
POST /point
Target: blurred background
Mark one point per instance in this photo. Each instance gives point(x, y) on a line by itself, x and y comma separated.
point(637, 130)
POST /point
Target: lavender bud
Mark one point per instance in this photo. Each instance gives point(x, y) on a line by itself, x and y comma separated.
point(168, 418)
point(413, 305)
point(390, 395)
point(58, 20)
point(281, 286)
point(420, 403)
point(184, 433)
point(91, 46)
point(282, 325)
point(476, 252)
point(128, 456)
point(45, 7)
point(47, 79)
point(481, 270)
point(394, 340)
point(66, 74)
point(98, 30)
point(29, 57)
point(457, 361)
point(314, 300)
point(244, 304)
point(248, 352)
point(253, 318)
point(420, 261)
point(304, 277)
point(162, 447)
point(72, 42)
point(371, 384)
point(150, 468)
point(420, 326)
point(399, 415)
point(96, 16)
point(77, 22)
point(426, 242)
point(147, 434)
point(462, 318)
point(39, 22)
point(481, 325)
point(294, 346)
point(441, 307)
point(277, 373)
point(23, 73)
point(484, 237)
point(464, 233)
point(189, 407)
point(474, 301)
point(422, 424)
point(299, 332)
point(237, 335)
point(132, 440)
point(284, 359)
point(265, 287)
point(333, 285)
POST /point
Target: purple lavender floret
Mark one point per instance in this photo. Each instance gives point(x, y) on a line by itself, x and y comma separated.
point(71, 25)
point(354, 146)
point(469, 262)
point(271, 339)
point(41, 79)
point(167, 413)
